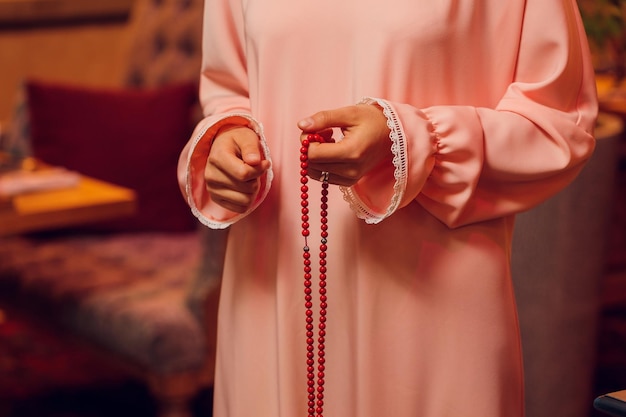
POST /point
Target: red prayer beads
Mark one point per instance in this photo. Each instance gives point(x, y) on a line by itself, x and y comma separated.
point(315, 389)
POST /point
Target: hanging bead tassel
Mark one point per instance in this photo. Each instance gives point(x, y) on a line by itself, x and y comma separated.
point(315, 389)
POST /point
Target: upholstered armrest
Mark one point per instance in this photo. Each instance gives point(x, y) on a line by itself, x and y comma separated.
point(209, 273)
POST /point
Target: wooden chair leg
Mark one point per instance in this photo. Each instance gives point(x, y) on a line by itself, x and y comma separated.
point(174, 406)
point(174, 394)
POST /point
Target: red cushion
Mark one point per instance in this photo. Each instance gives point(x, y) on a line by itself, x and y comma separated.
point(128, 137)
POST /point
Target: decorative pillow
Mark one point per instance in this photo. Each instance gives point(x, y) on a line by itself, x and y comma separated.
point(128, 137)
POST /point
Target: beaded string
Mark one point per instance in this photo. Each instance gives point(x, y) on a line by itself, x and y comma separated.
point(315, 389)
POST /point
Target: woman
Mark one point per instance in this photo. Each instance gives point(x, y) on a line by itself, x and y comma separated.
point(473, 111)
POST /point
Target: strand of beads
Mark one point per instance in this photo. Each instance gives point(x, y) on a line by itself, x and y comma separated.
point(315, 389)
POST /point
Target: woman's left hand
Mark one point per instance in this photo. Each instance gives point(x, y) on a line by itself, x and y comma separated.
point(364, 146)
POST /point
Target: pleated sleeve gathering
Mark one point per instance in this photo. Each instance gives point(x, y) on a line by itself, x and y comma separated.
point(467, 164)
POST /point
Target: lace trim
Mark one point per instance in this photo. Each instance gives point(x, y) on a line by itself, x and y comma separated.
point(399, 150)
point(258, 129)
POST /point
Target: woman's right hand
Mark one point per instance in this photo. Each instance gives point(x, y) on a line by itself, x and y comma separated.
point(234, 167)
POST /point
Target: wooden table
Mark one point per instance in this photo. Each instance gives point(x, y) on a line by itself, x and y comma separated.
point(613, 404)
point(90, 200)
point(611, 95)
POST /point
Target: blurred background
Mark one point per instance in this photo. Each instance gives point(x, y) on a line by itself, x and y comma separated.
point(88, 325)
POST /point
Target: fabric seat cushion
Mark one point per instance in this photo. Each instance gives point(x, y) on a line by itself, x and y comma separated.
point(133, 305)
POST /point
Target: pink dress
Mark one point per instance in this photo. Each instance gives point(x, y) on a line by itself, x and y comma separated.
point(492, 106)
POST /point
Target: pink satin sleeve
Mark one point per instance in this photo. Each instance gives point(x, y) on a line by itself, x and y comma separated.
point(488, 162)
point(191, 166)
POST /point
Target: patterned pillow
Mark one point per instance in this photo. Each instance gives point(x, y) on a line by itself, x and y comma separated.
point(129, 137)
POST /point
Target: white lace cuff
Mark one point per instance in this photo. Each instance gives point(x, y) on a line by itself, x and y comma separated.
point(212, 128)
point(399, 150)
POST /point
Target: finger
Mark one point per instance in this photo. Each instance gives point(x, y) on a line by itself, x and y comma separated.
point(342, 117)
point(248, 187)
point(326, 134)
point(244, 142)
point(329, 153)
point(231, 199)
point(332, 177)
point(224, 165)
point(218, 179)
point(230, 204)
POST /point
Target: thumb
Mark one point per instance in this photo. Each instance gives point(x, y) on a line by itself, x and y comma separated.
point(250, 151)
point(322, 120)
point(307, 125)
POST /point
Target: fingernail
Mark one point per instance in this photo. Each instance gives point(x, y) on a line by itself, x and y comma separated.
point(305, 123)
